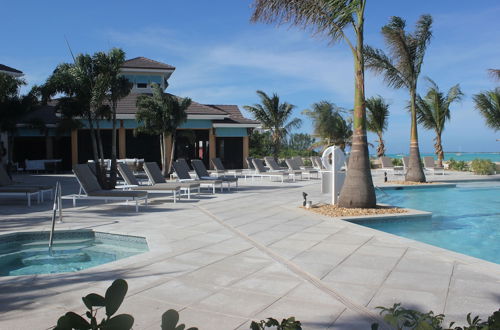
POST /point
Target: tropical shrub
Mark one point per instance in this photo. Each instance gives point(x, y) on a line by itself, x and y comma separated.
point(286, 324)
point(482, 166)
point(408, 319)
point(397, 162)
point(457, 165)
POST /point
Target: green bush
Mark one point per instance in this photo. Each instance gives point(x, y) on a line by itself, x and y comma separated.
point(408, 319)
point(457, 165)
point(482, 166)
point(286, 324)
point(397, 161)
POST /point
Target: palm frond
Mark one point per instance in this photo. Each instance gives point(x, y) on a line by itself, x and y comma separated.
point(488, 104)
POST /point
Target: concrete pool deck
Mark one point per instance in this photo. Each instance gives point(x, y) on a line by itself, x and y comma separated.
point(230, 258)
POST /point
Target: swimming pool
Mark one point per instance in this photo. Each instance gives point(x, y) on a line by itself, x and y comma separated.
point(465, 219)
point(27, 253)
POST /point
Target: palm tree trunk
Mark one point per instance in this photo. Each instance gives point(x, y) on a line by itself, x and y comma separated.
point(93, 140)
point(171, 160)
point(112, 174)
point(161, 150)
point(164, 169)
point(438, 147)
point(358, 190)
point(415, 172)
point(381, 145)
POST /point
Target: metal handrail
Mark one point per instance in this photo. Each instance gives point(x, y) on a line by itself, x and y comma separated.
point(56, 207)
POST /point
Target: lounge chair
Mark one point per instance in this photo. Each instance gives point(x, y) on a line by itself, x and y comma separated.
point(430, 165)
point(202, 173)
point(261, 171)
point(7, 186)
point(273, 165)
point(93, 190)
point(219, 167)
point(182, 171)
point(386, 166)
point(293, 166)
point(406, 163)
point(156, 187)
point(300, 163)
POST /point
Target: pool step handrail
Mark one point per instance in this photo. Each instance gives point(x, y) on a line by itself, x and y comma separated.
point(381, 190)
point(56, 207)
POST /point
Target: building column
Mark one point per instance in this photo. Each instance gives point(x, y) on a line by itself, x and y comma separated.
point(211, 146)
point(49, 147)
point(122, 142)
point(74, 146)
point(245, 151)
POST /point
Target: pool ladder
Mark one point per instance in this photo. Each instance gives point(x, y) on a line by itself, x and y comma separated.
point(55, 209)
point(381, 190)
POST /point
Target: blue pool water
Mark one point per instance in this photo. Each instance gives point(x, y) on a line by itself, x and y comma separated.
point(465, 219)
point(28, 253)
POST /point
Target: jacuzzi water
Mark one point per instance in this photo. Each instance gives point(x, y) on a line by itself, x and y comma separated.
point(465, 219)
point(27, 253)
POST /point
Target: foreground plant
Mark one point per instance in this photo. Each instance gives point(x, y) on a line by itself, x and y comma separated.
point(401, 318)
point(482, 167)
point(286, 324)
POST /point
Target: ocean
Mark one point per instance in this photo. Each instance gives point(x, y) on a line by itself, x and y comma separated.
point(467, 156)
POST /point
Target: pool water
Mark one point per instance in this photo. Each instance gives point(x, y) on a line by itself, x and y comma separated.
point(465, 219)
point(28, 253)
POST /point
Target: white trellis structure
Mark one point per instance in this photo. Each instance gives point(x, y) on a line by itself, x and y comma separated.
point(332, 179)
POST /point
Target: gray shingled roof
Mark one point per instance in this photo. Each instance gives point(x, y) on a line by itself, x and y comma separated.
point(146, 63)
point(235, 115)
point(4, 67)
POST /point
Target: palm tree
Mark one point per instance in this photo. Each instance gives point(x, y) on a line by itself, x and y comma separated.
point(84, 90)
point(118, 87)
point(495, 73)
point(274, 116)
point(329, 125)
point(402, 69)
point(161, 114)
point(13, 107)
point(378, 112)
point(332, 18)
point(434, 110)
point(488, 104)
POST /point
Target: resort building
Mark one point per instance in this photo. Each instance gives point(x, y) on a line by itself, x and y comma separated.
point(211, 130)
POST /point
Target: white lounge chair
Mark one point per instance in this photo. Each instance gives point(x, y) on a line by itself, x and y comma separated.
point(386, 166)
point(220, 169)
point(293, 166)
point(9, 187)
point(181, 169)
point(430, 165)
point(92, 189)
point(260, 171)
point(202, 173)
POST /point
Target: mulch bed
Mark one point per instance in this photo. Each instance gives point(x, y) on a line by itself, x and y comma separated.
point(336, 211)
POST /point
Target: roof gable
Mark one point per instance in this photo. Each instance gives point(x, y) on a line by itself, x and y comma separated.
point(6, 68)
point(146, 63)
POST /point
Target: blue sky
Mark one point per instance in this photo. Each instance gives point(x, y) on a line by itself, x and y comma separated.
point(223, 58)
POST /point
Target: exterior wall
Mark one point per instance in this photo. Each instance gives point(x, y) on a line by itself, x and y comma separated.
point(231, 131)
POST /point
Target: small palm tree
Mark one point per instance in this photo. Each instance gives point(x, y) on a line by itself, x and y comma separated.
point(109, 65)
point(488, 104)
point(433, 110)
point(402, 69)
point(376, 121)
point(329, 125)
point(275, 117)
point(161, 114)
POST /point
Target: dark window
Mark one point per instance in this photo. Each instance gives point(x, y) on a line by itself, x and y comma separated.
point(142, 85)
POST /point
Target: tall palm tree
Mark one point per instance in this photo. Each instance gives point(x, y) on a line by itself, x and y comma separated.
point(161, 114)
point(433, 110)
point(377, 115)
point(488, 104)
point(118, 87)
point(275, 117)
point(332, 18)
point(495, 73)
point(329, 125)
point(401, 68)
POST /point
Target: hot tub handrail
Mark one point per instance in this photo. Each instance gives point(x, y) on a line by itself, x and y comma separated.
point(56, 207)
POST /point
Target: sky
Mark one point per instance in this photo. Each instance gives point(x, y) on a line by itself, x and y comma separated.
point(223, 58)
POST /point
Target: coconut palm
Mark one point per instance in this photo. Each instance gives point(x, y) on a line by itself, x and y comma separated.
point(329, 125)
point(84, 89)
point(109, 65)
point(161, 114)
point(275, 117)
point(333, 19)
point(488, 104)
point(495, 73)
point(377, 114)
point(401, 69)
point(433, 110)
